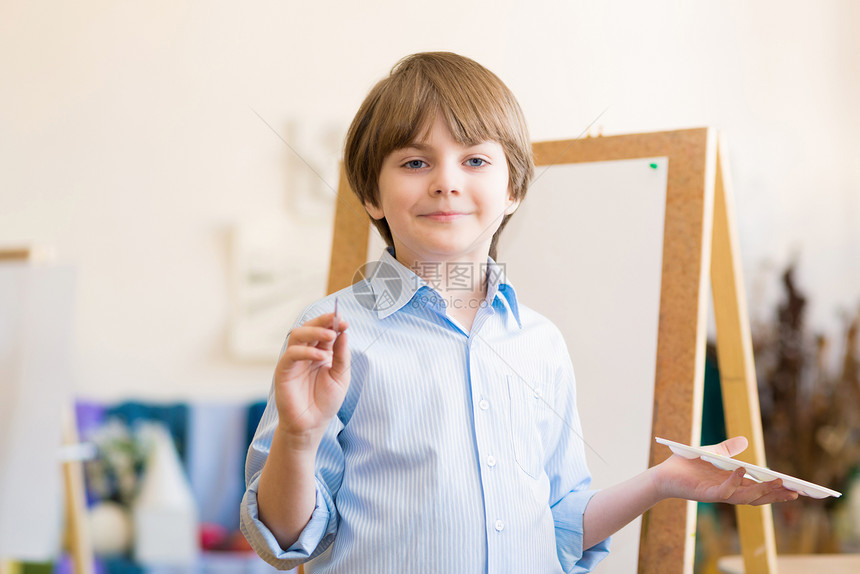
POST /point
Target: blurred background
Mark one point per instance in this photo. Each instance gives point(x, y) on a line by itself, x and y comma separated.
point(181, 157)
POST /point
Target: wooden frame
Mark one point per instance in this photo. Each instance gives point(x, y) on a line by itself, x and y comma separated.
point(698, 222)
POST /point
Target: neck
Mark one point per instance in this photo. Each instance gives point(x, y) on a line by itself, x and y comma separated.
point(458, 277)
point(460, 281)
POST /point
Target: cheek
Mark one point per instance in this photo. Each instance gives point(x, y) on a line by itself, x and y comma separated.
point(390, 194)
point(498, 190)
point(395, 205)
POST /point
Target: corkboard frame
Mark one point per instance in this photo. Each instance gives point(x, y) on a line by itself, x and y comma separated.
point(666, 539)
point(694, 178)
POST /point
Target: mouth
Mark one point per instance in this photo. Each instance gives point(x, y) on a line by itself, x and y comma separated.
point(444, 215)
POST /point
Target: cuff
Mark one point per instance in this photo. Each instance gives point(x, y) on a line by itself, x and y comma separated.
point(568, 517)
point(313, 540)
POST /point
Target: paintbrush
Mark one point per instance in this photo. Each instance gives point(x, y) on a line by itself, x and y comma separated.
point(336, 326)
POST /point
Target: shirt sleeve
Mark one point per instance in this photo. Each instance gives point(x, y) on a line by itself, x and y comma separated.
point(569, 476)
point(313, 540)
point(567, 514)
point(322, 527)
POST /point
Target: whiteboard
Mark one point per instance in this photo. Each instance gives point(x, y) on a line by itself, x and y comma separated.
point(36, 310)
point(585, 249)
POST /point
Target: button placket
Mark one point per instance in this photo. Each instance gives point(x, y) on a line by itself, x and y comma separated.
point(490, 396)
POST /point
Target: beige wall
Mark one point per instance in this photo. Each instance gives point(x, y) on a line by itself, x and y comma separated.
point(130, 141)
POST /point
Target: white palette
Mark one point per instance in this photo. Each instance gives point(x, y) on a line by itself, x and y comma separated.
point(753, 472)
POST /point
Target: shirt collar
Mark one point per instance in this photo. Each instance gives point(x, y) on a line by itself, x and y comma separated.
point(389, 286)
point(498, 286)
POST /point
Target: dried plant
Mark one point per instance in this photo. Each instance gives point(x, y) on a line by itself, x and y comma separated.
point(810, 416)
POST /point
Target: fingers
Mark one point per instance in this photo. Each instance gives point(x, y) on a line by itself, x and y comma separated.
point(327, 320)
point(780, 494)
point(731, 485)
point(771, 492)
point(315, 341)
point(306, 335)
point(737, 490)
point(318, 331)
point(296, 353)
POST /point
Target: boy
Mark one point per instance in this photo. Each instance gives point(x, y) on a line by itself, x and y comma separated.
point(443, 436)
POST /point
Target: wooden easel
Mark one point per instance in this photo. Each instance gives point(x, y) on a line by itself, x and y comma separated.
point(699, 245)
point(77, 542)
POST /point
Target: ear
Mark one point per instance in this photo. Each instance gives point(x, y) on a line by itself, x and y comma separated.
point(513, 204)
point(373, 211)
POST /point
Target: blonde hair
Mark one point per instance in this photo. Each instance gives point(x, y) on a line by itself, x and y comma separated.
point(475, 104)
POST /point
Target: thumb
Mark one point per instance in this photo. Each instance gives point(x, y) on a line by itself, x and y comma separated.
point(732, 446)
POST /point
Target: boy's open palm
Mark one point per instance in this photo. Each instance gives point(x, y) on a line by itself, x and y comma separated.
point(311, 379)
point(695, 479)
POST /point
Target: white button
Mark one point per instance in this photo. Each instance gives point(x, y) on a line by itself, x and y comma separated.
point(491, 461)
point(538, 392)
point(500, 525)
point(484, 404)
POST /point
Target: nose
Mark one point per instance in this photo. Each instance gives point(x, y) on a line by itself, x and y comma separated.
point(446, 179)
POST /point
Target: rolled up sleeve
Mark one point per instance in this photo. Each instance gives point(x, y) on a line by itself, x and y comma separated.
point(568, 515)
point(317, 535)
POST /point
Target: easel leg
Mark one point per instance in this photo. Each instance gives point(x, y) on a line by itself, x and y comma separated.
point(737, 372)
point(77, 529)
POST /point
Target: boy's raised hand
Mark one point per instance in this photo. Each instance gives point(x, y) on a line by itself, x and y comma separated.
point(311, 380)
point(695, 479)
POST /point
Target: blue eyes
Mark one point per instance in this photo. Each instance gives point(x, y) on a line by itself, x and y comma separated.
point(471, 162)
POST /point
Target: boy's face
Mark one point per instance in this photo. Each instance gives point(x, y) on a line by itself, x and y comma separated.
point(443, 201)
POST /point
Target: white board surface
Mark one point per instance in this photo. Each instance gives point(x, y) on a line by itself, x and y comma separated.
point(585, 250)
point(36, 312)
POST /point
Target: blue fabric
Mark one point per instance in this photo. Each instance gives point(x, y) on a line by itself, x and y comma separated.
point(453, 451)
point(255, 414)
point(216, 448)
point(89, 416)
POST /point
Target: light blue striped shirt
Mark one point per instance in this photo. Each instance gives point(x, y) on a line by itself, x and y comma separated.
point(452, 452)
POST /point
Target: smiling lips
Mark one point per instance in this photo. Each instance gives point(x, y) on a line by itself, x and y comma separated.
point(444, 215)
